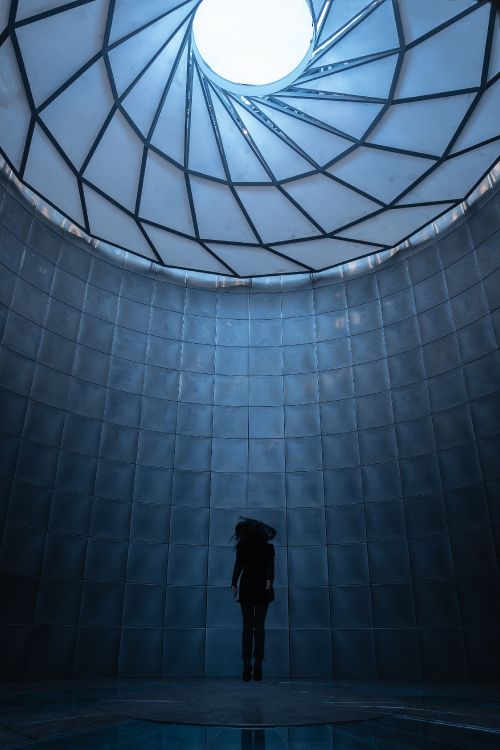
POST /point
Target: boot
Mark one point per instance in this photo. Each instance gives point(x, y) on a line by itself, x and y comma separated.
point(257, 669)
point(247, 670)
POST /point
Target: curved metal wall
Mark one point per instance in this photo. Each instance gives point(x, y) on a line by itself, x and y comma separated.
point(142, 414)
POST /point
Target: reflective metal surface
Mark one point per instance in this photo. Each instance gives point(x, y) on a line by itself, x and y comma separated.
point(341, 271)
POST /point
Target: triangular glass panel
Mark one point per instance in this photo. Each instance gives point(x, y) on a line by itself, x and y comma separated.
point(282, 159)
point(252, 260)
point(183, 253)
point(116, 163)
point(274, 216)
point(243, 164)
point(447, 61)
point(382, 174)
point(453, 179)
point(321, 145)
point(169, 133)
point(330, 204)
point(130, 15)
point(424, 126)
point(130, 58)
point(56, 47)
point(77, 115)
point(418, 18)
point(326, 252)
point(16, 117)
point(340, 13)
point(351, 118)
point(48, 174)
point(372, 79)
point(494, 67)
point(483, 122)
point(4, 16)
point(218, 214)
point(375, 33)
point(29, 8)
point(144, 99)
point(392, 226)
point(164, 197)
point(204, 153)
point(111, 224)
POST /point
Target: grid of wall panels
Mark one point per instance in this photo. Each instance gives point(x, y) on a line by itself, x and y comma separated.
point(141, 415)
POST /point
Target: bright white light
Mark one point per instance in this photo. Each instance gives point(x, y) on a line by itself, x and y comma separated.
point(253, 42)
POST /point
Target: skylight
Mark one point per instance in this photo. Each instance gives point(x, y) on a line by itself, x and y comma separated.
point(254, 43)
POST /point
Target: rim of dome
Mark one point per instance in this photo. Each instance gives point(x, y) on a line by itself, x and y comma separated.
point(347, 268)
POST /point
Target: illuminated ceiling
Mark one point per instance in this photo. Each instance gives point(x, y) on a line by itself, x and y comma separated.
point(258, 43)
point(107, 113)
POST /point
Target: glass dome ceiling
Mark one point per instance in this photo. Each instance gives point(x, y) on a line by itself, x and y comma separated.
point(107, 112)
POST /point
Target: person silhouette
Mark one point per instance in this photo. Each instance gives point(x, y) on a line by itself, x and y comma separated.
point(255, 563)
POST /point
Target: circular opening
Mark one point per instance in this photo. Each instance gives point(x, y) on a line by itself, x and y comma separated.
point(253, 42)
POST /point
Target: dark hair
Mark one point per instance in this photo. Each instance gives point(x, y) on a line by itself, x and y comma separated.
point(253, 531)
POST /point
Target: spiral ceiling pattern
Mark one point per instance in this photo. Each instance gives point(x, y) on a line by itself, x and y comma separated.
point(107, 113)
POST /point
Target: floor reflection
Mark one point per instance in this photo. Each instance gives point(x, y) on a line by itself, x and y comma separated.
point(253, 739)
point(391, 733)
point(95, 715)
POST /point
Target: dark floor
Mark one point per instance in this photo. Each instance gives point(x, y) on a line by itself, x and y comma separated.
point(276, 714)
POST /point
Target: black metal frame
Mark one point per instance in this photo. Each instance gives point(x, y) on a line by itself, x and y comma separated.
point(212, 92)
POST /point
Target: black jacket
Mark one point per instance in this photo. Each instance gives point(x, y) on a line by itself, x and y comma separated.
point(255, 563)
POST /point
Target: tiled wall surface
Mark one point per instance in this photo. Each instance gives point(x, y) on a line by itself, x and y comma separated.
point(141, 415)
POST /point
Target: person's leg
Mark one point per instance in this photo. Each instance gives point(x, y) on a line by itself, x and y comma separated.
point(259, 637)
point(247, 632)
point(246, 739)
point(246, 639)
